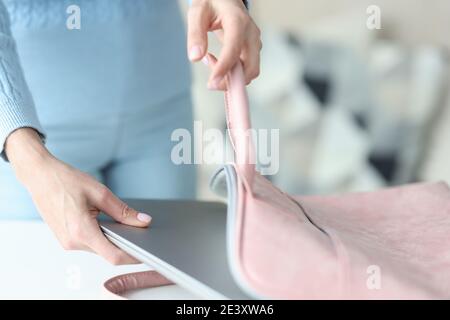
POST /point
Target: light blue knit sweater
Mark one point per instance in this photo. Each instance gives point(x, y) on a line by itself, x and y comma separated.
point(17, 108)
point(16, 105)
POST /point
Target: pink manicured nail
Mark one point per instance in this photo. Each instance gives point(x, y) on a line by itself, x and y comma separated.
point(214, 84)
point(195, 53)
point(143, 217)
point(205, 60)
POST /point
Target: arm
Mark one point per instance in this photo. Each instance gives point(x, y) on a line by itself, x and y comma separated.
point(16, 105)
point(67, 199)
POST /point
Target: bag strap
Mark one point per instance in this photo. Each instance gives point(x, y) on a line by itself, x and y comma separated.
point(239, 125)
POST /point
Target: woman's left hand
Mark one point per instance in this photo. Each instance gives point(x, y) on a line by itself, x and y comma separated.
point(236, 30)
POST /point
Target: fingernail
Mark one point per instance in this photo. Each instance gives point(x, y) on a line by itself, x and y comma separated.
point(205, 60)
point(214, 84)
point(195, 53)
point(143, 217)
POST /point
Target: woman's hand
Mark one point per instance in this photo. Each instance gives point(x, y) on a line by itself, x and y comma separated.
point(68, 200)
point(236, 30)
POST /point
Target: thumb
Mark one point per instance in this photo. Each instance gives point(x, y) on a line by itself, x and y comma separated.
point(210, 60)
point(120, 211)
point(197, 36)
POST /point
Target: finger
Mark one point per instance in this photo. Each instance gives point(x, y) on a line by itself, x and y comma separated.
point(233, 39)
point(251, 60)
point(103, 247)
point(107, 202)
point(72, 245)
point(210, 61)
point(198, 24)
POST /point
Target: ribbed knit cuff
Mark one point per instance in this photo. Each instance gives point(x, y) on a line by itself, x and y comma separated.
point(13, 117)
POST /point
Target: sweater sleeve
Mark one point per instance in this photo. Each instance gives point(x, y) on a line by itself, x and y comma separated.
point(16, 104)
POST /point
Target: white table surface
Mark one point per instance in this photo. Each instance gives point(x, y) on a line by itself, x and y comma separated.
point(34, 266)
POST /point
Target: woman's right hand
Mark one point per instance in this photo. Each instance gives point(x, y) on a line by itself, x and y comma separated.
point(69, 200)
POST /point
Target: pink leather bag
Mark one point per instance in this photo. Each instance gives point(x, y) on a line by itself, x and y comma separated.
point(390, 244)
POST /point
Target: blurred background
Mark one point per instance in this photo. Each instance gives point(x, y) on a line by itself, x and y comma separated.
point(357, 108)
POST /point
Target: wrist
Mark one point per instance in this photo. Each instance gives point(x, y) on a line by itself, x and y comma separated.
point(26, 152)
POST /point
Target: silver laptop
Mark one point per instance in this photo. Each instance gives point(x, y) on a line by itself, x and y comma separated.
point(186, 242)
